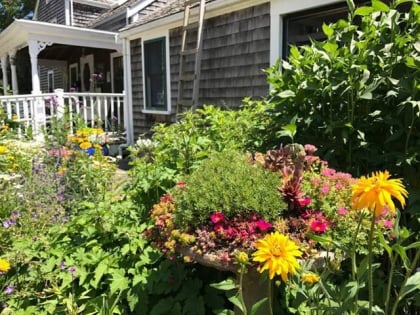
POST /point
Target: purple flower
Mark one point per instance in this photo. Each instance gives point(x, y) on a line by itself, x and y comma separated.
point(15, 214)
point(9, 289)
point(72, 270)
point(63, 265)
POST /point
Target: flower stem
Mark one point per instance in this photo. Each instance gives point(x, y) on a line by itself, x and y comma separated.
point(370, 263)
point(270, 297)
point(389, 284)
point(407, 275)
point(240, 290)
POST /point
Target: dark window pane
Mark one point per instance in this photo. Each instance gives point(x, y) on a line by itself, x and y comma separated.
point(155, 74)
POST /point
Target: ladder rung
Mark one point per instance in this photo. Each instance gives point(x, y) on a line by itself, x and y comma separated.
point(192, 2)
point(189, 51)
point(185, 102)
point(187, 77)
point(191, 26)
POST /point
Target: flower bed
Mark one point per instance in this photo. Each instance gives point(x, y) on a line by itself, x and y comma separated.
point(316, 214)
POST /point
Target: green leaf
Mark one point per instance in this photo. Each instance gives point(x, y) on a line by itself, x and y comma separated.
point(119, 281)
point(380, 6)
point(99, 272)
point(412, 284)
point(402, 253)
point(225, 285)
point(287, 94)
point(257, 306)
point(363, 11)
point(328, 30)
point(413, 245)
point(237, 302)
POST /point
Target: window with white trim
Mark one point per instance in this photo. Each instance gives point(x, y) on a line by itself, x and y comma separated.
point(155, 75)
point(50, 79)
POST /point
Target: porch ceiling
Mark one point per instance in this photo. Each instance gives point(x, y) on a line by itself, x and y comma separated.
point(17, 35)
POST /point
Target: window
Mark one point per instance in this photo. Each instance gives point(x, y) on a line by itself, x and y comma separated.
point(50, 76)
point(155, 78)
point(300, 27)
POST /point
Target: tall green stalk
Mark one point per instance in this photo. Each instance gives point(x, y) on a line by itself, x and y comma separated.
point(370, 263)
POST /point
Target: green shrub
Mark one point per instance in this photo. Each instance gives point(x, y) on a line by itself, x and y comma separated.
point(227, 183)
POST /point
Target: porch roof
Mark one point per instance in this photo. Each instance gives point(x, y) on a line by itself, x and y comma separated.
point(17, 35)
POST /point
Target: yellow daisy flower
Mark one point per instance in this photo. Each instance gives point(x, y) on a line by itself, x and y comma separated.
point(3, 149)
point(4, 266)
point(85, 145)
point(310, 278)
point(376, 192)
point(277, 253)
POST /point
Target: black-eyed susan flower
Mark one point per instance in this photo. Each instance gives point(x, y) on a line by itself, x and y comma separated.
point(4, 266)
point(278, 254)
point(376, 192)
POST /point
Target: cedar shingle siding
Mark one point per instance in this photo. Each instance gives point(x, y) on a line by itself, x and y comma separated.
point(83, 14)
point(54, 9)
point(236, 49)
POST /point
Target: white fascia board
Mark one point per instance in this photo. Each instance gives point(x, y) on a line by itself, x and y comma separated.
point(20, 31)
point(212, 9)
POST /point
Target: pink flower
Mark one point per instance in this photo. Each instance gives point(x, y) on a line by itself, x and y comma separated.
point(310, 149)
point(388, 224)
point(304, 202)
point(319, 226)
point(167, 198)
point(217, 217)
point(325, 189)
point(328, 172)
point(342, 211)
point(263, 225)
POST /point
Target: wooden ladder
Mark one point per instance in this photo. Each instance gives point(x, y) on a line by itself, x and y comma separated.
point(184, 100)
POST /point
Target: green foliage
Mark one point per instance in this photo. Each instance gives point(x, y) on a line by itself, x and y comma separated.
point(356, 95)
point(227, 183)
point(179, 148)
point(14, 9)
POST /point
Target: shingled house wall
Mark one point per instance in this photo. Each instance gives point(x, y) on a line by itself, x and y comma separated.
point(236, 49)
point(54, 9)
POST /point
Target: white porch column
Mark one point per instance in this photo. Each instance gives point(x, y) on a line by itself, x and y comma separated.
point(12, 59)
point(4, 71)
point(39, 118)
point(128, 109)
point(34, 49)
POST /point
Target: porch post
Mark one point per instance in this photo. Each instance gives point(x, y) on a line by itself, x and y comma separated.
point(39, 105)
point(4, 71)
point(12, 58)
point(34, 50)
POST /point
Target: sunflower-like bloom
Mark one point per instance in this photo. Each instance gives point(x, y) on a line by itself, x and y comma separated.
point(4, 266)
point(85, 145)
point(310, 278)
point(376, 192)
point(277, 253)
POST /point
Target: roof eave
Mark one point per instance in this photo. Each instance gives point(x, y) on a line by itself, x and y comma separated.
point(17, 35)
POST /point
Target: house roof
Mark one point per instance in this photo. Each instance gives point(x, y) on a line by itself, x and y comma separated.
point(116, 10)
point(18, 34)
point(169, 8)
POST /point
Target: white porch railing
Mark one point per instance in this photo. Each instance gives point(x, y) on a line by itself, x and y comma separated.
point(35, 112)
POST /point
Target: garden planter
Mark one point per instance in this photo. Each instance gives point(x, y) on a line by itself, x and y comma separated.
point(254, 288)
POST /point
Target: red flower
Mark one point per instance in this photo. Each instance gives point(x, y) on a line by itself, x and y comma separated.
point(218, 228)
point(263, 225)
point(181, 185)
point(304, 202)
point(217, 217)
point(319, 226)
point(167, 198)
